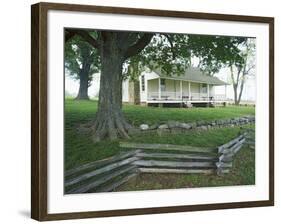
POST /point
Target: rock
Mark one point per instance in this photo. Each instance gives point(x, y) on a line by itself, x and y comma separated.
point(235, 121)
point(185, 126)
point(228, 121)
point(173, 124)
point(203, 128)
point(153, 127)
point(218, 122)
point(144, 127)
point(200, 123)
point(245, 120)
point(213, 123)
point(163, 126)
point(193, 125)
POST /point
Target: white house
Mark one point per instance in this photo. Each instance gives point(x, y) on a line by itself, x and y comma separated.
point(193, 87)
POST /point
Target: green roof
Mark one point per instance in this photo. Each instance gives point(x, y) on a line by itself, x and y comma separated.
point(193, 74)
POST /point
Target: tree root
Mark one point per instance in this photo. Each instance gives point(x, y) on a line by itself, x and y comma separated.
point(111, 127)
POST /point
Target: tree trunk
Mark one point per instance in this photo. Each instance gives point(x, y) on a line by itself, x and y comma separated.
point(236, 102)
point(241, 89)
point(137, 92)
point(110, 122)
point(83, 87)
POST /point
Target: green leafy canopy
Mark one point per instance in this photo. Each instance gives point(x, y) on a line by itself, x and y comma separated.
point(172, 53)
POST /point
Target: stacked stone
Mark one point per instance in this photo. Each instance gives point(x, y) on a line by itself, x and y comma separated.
point(174, 126)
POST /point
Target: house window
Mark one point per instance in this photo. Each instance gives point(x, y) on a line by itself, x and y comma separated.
point(204, 88)
point(142, 83)
point(163, 85)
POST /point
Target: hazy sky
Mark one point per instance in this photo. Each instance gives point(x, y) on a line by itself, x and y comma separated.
point(249, 92)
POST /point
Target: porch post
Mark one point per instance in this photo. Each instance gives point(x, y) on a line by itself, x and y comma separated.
point(181, 89)
point(159, 88)
point(200, 85)
point(224, 92)
point(208, 92)
point(189, 95)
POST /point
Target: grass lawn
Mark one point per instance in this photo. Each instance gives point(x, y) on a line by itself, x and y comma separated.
point(83, 111)
point(80, 149)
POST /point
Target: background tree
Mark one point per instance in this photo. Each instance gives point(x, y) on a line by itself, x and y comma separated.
point(235, 53)
point(242, 69)
point(168, 52)
point(216, 52)
point(81, 62)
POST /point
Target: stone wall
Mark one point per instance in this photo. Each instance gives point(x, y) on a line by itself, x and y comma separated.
point(176, 126)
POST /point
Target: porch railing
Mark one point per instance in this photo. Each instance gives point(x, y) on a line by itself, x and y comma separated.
point(219, 97)
point(176, 96)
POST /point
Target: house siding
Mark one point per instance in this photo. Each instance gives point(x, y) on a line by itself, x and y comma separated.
point(194, 87)
point(185, 87)
point(151, 81)
point(152, 85)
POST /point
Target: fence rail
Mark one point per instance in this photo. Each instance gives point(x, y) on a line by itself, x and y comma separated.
point(250, 137)
point(180, 148)
point(108, 174)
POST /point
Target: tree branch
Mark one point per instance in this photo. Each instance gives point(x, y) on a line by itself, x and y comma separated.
point(87, 37)
point(139, 45)
point(124, 41)
point(232, 74)
point(238, 75)
point(171, 44)
point(68, 35)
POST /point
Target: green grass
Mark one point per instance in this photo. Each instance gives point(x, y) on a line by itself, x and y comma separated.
point(83, 111)
point(80, 149)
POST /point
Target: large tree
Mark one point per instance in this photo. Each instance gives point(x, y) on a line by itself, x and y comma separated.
point(169, 52)
point(81, 62)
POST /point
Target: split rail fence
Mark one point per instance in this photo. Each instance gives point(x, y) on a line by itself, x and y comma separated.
point(108, 174)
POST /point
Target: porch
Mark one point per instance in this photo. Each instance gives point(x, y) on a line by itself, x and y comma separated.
point(179, 91)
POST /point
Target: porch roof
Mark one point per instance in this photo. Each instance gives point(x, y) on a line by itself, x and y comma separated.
point(193, 74)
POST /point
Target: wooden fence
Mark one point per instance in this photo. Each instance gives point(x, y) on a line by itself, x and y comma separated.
point(250, 137)
point(108, 174)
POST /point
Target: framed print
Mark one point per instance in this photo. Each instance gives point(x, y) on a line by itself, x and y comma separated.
point(138, 111)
